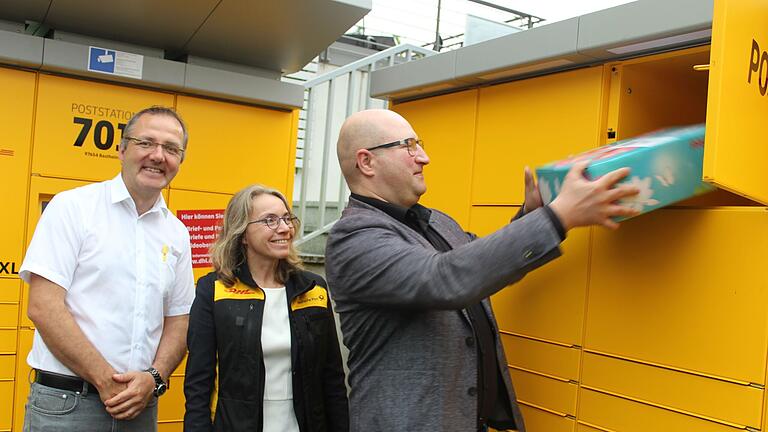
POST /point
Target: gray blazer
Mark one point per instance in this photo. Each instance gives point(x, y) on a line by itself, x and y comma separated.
point(412, 361)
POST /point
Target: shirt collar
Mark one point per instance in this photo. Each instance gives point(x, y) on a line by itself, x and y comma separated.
point(119, 193)
point(402, 214)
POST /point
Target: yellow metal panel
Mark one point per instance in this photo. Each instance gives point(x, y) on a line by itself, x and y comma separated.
point(21, 390)
point(9, 315)
point(677, 288)
point(188, 200)
point(617, 414)
point(8, 340)
point(78, 125)
point(16, 124)
point(537, 420)
point(737, 107)
point(556, 289)
point(7, 367)
point(6, 405)
point(232, 146)
point(584, 428)
point(171, 405)
point(532, 122)
point(170, 427)
point(10, 290)
point(546, 358)
point(447, 126)
point(706, 397)
point(545, 392)
point(181, 368)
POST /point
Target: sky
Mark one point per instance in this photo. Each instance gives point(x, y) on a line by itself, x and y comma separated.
point(414, 21)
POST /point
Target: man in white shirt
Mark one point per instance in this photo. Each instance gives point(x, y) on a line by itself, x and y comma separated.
point(110, 275)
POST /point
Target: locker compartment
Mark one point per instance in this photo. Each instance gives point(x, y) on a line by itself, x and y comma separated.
point(537, 420)
point(448, 149)
point(542, 357)
point(612, 413)
point(21, 390)
point(7, 367)
point(181, 368)
point(170, 426)
point(532, 122)
point(676, 288)
point(541, 391)
point(232, 146)
point(10, 290)
point(664, 90)
point(9, 316)
point(16, 124)
point(78, 126)
point(707, 397)
point(6, 405)
point(8, 341)
point(580, 427)
point(171, 405)
point(187, 205)
point(558, 288)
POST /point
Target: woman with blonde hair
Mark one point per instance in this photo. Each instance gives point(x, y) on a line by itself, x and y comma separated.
point(265, 326)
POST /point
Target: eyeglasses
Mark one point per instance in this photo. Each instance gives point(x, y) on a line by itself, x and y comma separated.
point(273, 222)
point(409, 143)
point(150, 146)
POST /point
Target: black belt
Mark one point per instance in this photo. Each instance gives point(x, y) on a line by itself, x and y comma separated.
point(64, 382)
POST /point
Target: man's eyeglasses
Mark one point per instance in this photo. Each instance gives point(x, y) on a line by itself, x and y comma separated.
point(273, 222)
point(150, 146)
point(411, 144)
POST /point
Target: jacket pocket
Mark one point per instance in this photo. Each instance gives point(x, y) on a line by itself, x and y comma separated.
point(237, 415)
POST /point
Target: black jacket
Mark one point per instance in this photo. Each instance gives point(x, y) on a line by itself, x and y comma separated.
point(225, 323)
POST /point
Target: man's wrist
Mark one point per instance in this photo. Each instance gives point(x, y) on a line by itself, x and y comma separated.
point(160, 384)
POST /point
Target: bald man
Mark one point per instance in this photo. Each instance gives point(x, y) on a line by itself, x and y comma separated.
point(411, 287)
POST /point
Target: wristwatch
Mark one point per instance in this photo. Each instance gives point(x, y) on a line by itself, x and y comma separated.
point(160, 385)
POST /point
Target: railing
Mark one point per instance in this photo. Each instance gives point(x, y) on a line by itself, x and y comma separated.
point(331, 98)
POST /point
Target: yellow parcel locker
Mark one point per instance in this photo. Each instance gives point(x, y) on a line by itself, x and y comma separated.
point(551, 359)
point(683, 288)
point(447, 126)
point(78, 126)
point(233, 145)
point(539, 420)
point(550, 393)
point(10, 290)
point(612, 413)
point(557, 289)
point(532, 122)
point(202, 213)
point(23, 375)
point(697, 394)
point(171, 406)
point(16, 124)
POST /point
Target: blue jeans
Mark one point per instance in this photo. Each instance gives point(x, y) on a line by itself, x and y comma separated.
point(49, 409)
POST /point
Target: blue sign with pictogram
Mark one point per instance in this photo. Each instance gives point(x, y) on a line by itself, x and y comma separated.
point(101, 60)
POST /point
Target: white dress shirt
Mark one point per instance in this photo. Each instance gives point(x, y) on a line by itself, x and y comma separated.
point(279, 415)
point(123, 273)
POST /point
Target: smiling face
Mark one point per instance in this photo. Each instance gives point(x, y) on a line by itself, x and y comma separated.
point(147, 172)
point(262, 242)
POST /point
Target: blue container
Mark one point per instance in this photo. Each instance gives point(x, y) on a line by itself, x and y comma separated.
point(666, 167)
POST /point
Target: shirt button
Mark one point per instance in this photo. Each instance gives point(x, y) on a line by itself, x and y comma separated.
point(470, 341)
point(472, 391)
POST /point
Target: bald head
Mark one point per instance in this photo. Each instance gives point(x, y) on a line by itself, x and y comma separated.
point(366, 129)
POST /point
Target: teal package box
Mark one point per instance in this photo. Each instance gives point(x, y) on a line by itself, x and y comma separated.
point(666, 166)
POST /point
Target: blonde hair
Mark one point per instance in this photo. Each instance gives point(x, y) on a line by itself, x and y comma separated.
point(228, 251)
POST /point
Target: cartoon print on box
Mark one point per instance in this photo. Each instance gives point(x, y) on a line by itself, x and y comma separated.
point(666, 167)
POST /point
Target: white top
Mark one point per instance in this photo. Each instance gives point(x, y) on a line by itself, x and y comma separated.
point(123, 273)
point(279, 415)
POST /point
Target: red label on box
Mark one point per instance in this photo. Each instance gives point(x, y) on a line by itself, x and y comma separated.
point(204, 226)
